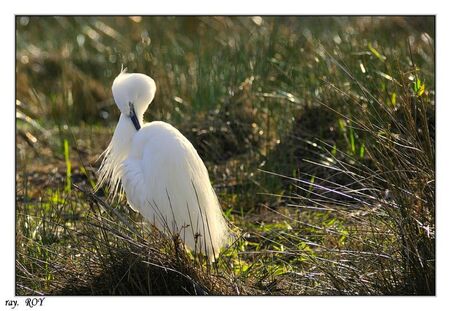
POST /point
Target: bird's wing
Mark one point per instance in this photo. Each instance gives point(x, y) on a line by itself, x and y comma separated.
point(166, 180)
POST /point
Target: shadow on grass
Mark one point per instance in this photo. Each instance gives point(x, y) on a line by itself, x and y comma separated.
point(129, 275)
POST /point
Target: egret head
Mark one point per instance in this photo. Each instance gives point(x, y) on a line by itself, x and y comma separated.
point(133, 91)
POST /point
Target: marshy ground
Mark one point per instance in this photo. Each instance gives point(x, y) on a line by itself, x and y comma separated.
point(318, 134)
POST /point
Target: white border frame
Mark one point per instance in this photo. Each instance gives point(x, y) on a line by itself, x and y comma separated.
point(280, 7)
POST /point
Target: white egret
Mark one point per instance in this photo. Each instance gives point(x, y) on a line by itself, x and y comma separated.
point(160, 171)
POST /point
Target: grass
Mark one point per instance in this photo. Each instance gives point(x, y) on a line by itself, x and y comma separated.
point(318, 134)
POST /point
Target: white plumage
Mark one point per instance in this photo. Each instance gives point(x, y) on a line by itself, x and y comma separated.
point(161, 172)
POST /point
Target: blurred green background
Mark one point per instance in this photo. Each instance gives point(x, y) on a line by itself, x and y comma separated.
point(233, 85)
point(238, 87)
point(66, 65)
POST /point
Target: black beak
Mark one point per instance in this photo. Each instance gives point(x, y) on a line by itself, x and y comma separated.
point(134, 118)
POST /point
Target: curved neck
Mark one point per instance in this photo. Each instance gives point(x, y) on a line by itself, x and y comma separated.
point(117, 151)
point(123, 135)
